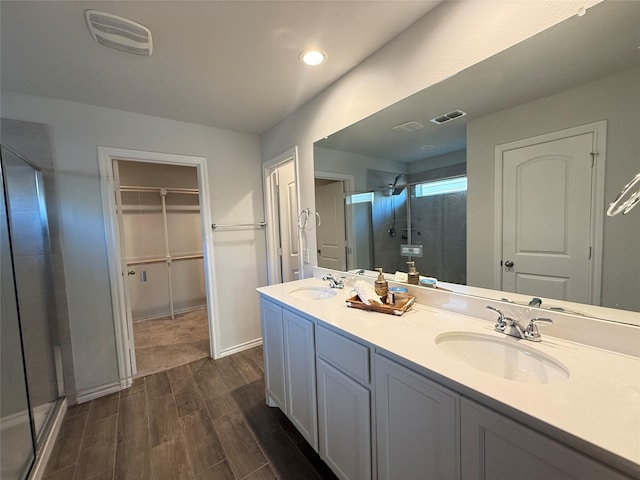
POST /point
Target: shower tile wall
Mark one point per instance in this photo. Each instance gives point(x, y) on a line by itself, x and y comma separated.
point(389, 222)
point(438, 223)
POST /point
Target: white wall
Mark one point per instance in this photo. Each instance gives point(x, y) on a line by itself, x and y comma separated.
point(614, 99)
point(235, 185)
point(448, 39)
point(445, 160)
point(335, 161)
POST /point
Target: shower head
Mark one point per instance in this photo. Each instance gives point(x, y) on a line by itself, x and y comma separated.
point(395, 188)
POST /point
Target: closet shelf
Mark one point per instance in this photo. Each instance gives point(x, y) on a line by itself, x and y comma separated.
point(147, 261)
point(133, 188)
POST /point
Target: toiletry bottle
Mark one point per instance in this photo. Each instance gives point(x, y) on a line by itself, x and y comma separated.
point(414, 276)
point(381, 285)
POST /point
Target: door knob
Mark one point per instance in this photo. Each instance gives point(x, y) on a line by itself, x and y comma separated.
point(508, 264)
point(131, 272)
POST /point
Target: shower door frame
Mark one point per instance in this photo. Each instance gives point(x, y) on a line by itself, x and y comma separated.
point(122, 320)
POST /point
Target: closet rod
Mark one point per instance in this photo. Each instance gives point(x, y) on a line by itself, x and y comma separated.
point(132, 188)
point(163, 259)
point(221, 225)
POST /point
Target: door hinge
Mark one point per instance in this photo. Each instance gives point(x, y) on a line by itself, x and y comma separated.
point(280, 251)
point(593, 159)
point(590, 252)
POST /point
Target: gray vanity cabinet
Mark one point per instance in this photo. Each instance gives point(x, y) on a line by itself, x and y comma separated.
point(290, 367)
point(495, 448)
point(344, 405)
point(274, 359)
point(417, 425)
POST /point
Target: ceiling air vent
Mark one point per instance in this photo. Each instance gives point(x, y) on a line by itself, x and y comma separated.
point(447, 117)
point(119, 33)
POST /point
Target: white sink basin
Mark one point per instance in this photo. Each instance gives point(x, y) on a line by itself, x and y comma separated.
point(314, 293)
point(504, 357)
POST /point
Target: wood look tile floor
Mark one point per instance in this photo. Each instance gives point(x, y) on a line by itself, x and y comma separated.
point(199, 421)
point(163, 343)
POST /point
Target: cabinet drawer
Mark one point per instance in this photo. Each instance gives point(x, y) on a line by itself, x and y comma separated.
point(349, 356)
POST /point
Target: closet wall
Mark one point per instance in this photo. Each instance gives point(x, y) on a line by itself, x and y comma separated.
point(163, 247)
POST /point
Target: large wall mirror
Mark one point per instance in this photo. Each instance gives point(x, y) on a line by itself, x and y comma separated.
point(500, 175)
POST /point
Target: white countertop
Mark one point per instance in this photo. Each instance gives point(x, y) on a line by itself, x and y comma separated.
point(599, 403)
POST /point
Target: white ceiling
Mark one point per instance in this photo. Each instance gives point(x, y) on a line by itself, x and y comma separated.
point(581, 49)
point(226, 64)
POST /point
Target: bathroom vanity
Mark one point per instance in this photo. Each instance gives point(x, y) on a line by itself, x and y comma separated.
point(438, 394)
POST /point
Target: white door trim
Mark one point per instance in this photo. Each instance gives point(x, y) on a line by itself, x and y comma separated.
point(599, 131)
point(349, 183)
point(106, 155)
point(271, 215)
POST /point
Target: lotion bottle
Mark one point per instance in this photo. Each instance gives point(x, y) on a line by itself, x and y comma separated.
point(381, 285)
point(413, 275)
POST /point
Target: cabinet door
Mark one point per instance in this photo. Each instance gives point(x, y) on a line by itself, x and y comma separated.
point(301, 375)
point(417, 425)
point(273, 348)
point(344, 414)
point(495, 447)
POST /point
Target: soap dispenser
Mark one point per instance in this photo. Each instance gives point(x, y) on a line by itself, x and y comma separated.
point(381, 285)
point(413, 275)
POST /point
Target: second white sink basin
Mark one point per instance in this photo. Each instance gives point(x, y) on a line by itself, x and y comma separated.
point(314, 293)
point(503, 357)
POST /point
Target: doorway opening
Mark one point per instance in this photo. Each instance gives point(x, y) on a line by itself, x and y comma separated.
point(159, 215)
point(284, 241)
point(157, 219)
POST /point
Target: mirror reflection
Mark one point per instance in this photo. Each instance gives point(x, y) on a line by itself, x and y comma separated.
point(545, 136)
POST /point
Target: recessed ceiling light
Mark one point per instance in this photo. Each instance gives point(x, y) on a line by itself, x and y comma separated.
point(313, 57)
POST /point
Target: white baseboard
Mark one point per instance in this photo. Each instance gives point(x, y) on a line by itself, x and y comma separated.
point(239, 348)
point(88, 394)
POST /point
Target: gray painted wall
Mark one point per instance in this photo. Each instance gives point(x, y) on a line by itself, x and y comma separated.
point(235, 184)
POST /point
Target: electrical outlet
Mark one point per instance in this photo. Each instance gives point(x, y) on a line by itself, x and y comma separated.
point(305, 255)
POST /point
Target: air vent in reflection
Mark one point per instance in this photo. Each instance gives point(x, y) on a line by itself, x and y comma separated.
point(119, 33)
point(447, 117)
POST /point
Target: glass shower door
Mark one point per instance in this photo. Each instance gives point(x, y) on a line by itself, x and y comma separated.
point(17, 447)
point(29, 335)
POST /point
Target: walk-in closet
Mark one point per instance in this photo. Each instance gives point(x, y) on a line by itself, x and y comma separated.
point(161, 242)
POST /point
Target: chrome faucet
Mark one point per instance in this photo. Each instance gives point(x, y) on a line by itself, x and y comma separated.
point(508, 326)
point(512, 327)
point(535, 302)
point(334, 282)
point(531, 333)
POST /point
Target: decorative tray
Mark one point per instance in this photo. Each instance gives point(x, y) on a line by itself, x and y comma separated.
point(397, 309)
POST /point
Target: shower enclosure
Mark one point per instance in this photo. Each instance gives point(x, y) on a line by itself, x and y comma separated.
point(31, 381)
point(425, 212)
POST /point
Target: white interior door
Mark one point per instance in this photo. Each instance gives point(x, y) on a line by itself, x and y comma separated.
point(546, 218)
point(126, 271)
point(331, 235)
point(287, 209)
